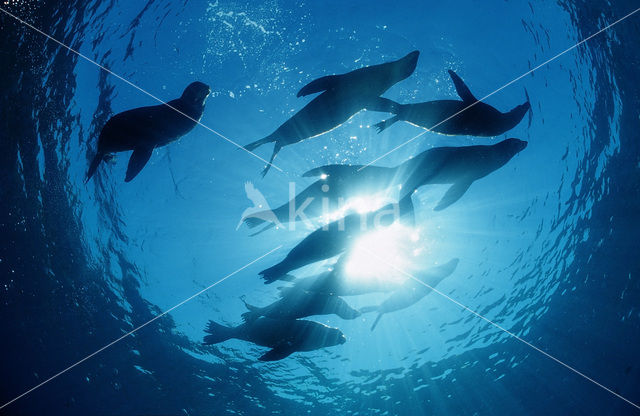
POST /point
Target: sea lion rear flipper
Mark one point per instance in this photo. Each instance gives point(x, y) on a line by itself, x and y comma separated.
point(318, 85)
point(139, 158)
point(276, 149)
point(278, 353)
point(454, 193)
point(383, 125)
point(463, 91)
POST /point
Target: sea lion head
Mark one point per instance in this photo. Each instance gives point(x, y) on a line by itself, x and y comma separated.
point(409, 63)
point(196, 93)
point(513, 146)
point(333, 336)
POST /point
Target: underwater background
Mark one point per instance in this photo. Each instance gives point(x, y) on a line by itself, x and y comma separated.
point(548, 245)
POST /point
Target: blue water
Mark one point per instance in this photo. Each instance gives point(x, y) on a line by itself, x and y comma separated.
point(547, 244)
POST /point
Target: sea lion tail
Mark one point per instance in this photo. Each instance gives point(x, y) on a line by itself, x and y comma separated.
point(94, 165)
point(383, 125)
point(273, 273)
point(217, 333)
point(375, 323)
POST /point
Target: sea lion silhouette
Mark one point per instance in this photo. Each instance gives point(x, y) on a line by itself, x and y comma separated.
point(411, 291)
point(459, 166)
point(342, 96)
point(284, 337)
point(334, 238)
point(300, 305)
point(479, 120)
point(456, 165)
point(145, 128)
point(338, 184)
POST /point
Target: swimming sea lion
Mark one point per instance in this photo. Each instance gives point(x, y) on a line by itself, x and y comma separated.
point(459, 166)
point(284, 337)
point(332, 239)
point(456, 165)
point(302, 304)
point(479, 120)
point(145, 128)
point(411, 291)
point(342, 97)
point(337, 186)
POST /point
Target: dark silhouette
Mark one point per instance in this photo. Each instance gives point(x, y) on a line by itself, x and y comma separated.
point(342, 97)
point(479, 120)
point(301, 304)
point(284, 337)
point(145, 128)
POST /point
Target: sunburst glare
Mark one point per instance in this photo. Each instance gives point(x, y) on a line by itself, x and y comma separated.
point(384, 254)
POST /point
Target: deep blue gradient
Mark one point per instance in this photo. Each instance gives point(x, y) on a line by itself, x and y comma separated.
point(547, 244)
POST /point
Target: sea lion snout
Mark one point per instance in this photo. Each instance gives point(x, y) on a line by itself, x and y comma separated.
point(196, 91)
point(516, 144)
point(411, 62)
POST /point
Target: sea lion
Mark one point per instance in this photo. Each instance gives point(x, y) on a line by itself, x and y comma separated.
point(455, 117)
point(459, 166)
point(146, 128)
point(334, 238)
point(300, 305)
point(337, 187)
point(412, 291)
point(456, 165)
point(284, 337)
point(342, 97)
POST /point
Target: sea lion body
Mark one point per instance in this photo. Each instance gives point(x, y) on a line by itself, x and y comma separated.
point(284, 337)
point(341, 98)
point(468, 117)
point(334, 238)
point(302, 304)
point(146, 128)
point(459, 166)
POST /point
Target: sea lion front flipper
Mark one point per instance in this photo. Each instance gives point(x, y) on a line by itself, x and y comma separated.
point(319, 85)
point(375, 323)
point(332, 170)
point(94, 165)
point(138, 159)
point(463, 91)
point(454, 193)
point(278, 353)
